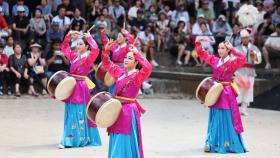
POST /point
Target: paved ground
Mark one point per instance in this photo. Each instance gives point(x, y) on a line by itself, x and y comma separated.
point(171, 129)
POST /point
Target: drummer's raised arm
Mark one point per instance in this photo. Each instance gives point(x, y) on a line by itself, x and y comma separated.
point(209, 59)
point(66, 50)
point(146, 69)
point(94, 50)
point(239, 60)
point(113, 69)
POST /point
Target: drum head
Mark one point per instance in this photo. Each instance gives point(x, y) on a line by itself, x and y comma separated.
point(198, 87)
point(213, 94)
point(108, 114)
point(49, 80)
point(108, 80)
point(65, 88)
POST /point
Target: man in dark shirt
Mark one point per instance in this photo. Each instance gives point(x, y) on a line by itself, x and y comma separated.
point(70, 9)
point(20, 25)
point(264, 30)
point(56, 61)
point(138, 24)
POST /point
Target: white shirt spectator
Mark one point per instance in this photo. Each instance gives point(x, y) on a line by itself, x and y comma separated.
point(8, 50)
point(132, 12)
point(179, 15)
point(273, 41)
point(196, 29)
point(146, 38)
point(116, 11)
point(62, 22)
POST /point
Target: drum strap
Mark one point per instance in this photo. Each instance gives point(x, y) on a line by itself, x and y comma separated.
point(89, 83)
point(139, 107)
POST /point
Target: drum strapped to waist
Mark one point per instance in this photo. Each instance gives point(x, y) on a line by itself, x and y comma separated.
point(103, 76)
point(61, 85)
point(209, 91)
point(103, 109)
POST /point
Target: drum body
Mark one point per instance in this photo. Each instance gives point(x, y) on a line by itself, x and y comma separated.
point(103, 109)
point(61, 85)
point(103, 76)
point(209, 91)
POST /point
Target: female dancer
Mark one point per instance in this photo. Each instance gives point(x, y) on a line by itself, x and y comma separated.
point(78, 130)
point(224, 126)
point(119, 49)
point(125, 134)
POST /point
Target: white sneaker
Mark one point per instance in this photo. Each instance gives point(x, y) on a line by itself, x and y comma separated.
point(243, 109)
point(206, 148)
point(60, 146)
point(267, 66)
point(179, 62)
point(154, 63)
point(244, 113)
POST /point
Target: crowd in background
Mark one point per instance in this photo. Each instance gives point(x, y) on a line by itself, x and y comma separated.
point(31, 31)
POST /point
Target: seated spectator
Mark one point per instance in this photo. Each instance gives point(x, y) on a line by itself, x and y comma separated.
point(9, 50)
point(231, 6)
point(152, 15)
point(4, 30)
point(138, 24)
point(38, 27)
point(132, 12)
point(262, 12)
point(272, 47)
point(221, 29)
point(163, 30)
point(206, 45)
point(18, 67)
point(20, 25)
point(167, 10)
point(264, 30)
point(276, 15)
point(54, 4)
point(69, 8)
point(46, 12)
point(105, 19)
point(208, 13)
point(235, 39)
point(95, 11)
point(179, 14)
point(56, 61)
point(54, 32)
point(196, 26)
point(62, 19)
point(116, 11)
point(268, 5)
point(15, 8)
point(78, 20)
point(179, 44)
point(147, 44)
point(36, 64)
point(4, 72)
point(5, 10)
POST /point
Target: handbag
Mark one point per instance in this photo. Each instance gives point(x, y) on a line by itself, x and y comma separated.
point(38, 69)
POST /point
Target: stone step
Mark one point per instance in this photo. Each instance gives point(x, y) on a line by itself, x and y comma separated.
point(186, 83)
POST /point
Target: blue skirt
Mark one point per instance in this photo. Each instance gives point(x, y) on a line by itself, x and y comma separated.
point(123, 145)
point(112, 89)
point(76, 131)
point(221, 136)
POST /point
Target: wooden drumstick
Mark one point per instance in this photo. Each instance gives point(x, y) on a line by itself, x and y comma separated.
point(93, 26)
point(135, 40)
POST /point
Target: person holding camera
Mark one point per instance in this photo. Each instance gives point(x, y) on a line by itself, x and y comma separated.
point(56, 61)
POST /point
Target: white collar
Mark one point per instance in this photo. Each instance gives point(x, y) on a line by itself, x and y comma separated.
point(225, 60)
point(249, 46)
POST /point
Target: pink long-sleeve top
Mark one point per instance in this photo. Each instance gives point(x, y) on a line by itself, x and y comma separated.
point(224, 73)
point(127, 85)
point(119, 51)
point(80, 65)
